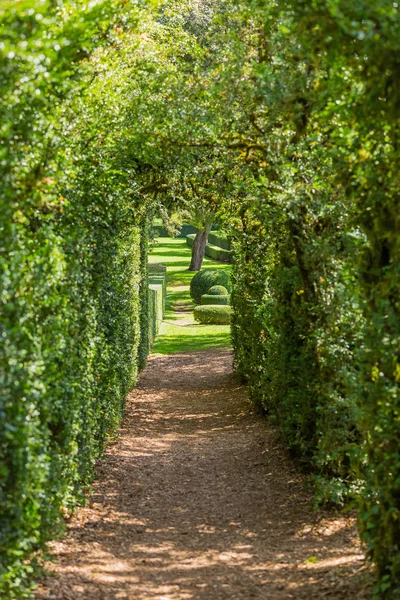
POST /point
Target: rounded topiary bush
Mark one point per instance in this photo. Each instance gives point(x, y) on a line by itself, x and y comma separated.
point(218, 290)
point(208, 299)
point(206, 279)
point(213, 315)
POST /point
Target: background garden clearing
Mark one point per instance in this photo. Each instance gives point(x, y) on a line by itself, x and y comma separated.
point(179, 332)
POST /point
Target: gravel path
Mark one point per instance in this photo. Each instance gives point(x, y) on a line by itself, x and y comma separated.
point(197, 500)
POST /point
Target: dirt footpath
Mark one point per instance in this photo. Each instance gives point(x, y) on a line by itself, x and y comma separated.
point(197, 500)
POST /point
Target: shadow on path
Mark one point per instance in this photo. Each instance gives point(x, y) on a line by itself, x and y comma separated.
point(197, 501)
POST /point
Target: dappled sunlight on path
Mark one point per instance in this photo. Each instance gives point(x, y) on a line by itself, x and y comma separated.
point(197, 500)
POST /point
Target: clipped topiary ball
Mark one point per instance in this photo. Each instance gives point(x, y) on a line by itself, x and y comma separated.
point(218, 290)
point(213, 315)
point(206, 279)
point(213, 299)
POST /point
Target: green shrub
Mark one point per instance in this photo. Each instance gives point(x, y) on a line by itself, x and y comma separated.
point(162, 280)
point(209, 299)
point(156, 310)
point(215, 252)
point(157, 273)
point(217, 238)
point(157, 269)
point(205, 279)
point(218, 290)
point(215, 315)
point(190, 239)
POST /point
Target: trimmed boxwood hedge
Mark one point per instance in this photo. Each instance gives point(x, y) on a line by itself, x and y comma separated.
point(157, 293)
point(74, 277)
point(218, 290)
point(205, 279)
point(66, 373)
point(215, 315)
point(143, 348)
point(157, 268)
point(217, 253)
point(219, 239)
point(156, 310)
point(212, 299)
point(162, 280)
point(214, 252)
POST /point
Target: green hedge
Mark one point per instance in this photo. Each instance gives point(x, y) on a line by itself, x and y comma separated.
point(162, 281)
point(205, 279)
point(157, 291)
point(214, 252)
point(70, 325)
point(157, 269)
point(185, 230)
point(72, 259)
point(190, 239)
point(144, 344)
point(156, 310)
point(218, 290)
point(294, 341)
point(317, 253)
point(213, 315)
point(157, 274)
point(217, 238)
point(219, 254)
point(208, 299)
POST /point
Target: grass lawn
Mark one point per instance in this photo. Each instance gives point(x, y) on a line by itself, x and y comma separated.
point(179, 332)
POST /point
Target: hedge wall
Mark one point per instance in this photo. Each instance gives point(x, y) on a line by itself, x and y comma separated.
point(212, 315)
point(73, 260)
point(294, 339)
point(70, 321)
point(157, 294)
point(217, 238)
point(158, 274)
point(214, 252)
point(156, 309)
point(161, 231)
point(316, 323)
point(144, 344)
point(208, 299)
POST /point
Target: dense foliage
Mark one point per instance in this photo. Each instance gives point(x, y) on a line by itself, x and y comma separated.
point(316, 325)
point(73, 256)
point(213, 314)
point(278, 118)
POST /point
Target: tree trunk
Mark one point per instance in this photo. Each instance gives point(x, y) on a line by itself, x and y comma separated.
point(199, 248)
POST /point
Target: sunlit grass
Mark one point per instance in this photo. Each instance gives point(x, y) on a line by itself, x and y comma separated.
point(184, 334)
point(177, 338)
